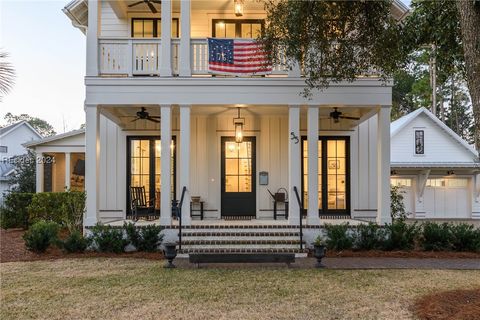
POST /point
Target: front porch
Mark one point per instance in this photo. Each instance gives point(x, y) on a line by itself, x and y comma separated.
point(331, 162)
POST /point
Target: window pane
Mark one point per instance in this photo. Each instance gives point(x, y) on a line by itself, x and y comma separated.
point(231, 166)
point(245, 184)
point(174, 28)
point(231, 183)
point(148, 28)
point(245, 149)
point(137, 28)
point(231, 150)
point(220, 30)
point(246, 30)
point(256, 30)
point(159, 28)
point(230, 30)
point(245, 166)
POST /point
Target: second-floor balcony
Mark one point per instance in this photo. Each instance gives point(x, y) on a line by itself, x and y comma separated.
point(143, 57)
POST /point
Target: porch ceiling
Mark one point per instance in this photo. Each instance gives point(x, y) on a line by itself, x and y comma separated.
point(123, 115)
point(249, 5)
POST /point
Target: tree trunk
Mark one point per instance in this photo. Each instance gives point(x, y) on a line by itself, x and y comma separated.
point(470, 22)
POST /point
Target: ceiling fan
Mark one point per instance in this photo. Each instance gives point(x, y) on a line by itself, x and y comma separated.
point(337, 115)
point(149, 3)
point(144, 115)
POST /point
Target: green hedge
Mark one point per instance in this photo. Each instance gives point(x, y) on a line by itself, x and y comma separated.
point(399, 235)
point(14, 212)
point(64, 208)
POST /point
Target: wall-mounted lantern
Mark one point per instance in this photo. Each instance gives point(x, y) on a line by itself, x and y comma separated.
point(238, 7)
point(238, 122)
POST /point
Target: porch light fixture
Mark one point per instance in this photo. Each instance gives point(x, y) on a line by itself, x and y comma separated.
point(450, 173)
point(238, 122)
point(238, 7)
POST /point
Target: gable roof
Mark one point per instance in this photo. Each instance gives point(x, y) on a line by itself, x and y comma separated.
point(399, 124)
point(6, 130)
point(35, 143)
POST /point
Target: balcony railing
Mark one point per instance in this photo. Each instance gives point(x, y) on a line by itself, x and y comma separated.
point(135, 57)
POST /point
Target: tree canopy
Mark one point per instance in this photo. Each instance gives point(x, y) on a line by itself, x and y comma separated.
point(42, 126)
point(333, 40)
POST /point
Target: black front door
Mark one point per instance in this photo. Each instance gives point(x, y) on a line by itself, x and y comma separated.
point(238, 177)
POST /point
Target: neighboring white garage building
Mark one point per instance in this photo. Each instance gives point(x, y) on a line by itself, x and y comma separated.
point(438, 171)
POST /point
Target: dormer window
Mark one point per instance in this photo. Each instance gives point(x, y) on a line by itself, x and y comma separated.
point(419, 142)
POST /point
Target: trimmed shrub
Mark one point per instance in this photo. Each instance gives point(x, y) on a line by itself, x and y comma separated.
point(400, 236)
point(75, 242)
point(14, 213)
point(144, 238)
point(464, 237)
point(339, 237)
point(368, 237)
point(397, 206)
point(65, 208)
point(436, 237)
point(108, 239)
point(41, 235)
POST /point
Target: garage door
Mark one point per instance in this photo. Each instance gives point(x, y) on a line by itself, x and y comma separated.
point(447, 198)
point(406, 190)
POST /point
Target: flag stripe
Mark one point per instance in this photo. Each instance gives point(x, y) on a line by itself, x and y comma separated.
point(237, 57)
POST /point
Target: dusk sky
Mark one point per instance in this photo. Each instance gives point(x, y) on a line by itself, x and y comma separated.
point(48, 54)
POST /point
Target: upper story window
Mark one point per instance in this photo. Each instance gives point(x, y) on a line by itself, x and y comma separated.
point(419, 142)
point(151, 28)
point(236, 28)
point(3, 149)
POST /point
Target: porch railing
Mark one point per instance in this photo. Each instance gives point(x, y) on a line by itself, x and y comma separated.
point(179, 216)
point(129, 57)
point(300, 213)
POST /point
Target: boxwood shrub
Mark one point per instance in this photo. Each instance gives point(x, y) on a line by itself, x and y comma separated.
point(41, 235)
point(14, 212)
point(105, 238)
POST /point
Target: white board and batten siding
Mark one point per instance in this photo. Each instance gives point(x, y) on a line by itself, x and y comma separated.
point(445, 196)
point(271, 132)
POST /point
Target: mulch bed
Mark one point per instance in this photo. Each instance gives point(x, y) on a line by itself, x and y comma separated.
point(451, 305)
point(12, 248)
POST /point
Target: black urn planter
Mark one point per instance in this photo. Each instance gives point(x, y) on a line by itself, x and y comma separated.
point(170, 253)
point(319, 253)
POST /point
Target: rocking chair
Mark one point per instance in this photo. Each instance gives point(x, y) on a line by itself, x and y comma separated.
point(141, 208)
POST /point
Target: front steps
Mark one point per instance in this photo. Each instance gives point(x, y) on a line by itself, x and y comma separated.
point(241, 239)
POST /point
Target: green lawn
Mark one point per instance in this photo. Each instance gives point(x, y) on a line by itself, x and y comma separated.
point(142, 289)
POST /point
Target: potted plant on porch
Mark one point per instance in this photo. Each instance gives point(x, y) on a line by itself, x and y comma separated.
point(319, 250)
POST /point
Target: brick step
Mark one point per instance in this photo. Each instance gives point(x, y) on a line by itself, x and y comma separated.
point(240, 242)
point(237, 246)
point(239, 238)
point(255, 233)
point(241, 250)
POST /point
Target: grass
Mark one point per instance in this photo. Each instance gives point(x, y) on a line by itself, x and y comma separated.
point(105, 288)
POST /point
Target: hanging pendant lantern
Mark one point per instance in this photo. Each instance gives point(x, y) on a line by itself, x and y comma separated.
point(238, 122)
point(238, 7)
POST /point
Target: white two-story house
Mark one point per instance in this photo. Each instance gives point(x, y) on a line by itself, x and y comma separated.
point(157, 118)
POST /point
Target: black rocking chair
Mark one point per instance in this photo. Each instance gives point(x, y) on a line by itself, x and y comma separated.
point(141, 208)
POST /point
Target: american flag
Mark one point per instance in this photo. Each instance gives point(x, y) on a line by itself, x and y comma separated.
point(239, 57)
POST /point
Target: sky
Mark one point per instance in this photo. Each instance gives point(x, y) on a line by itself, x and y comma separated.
point(48, 55)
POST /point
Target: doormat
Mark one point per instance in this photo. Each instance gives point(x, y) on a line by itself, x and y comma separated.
point(230, 218)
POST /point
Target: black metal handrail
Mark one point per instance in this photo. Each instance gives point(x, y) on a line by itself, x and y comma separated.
point(179, 217)
point(300, 211)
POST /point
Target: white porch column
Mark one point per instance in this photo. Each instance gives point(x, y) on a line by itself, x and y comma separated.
point(294, 169)
point(184, 59)
point(67, 170)
point(92, 172)
point(312, 213)
point(383, 165)
point(476, 196)
point(39, 172)
point(92, 37)
point(166, 185)
point(166, 47)
point(185, 161)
